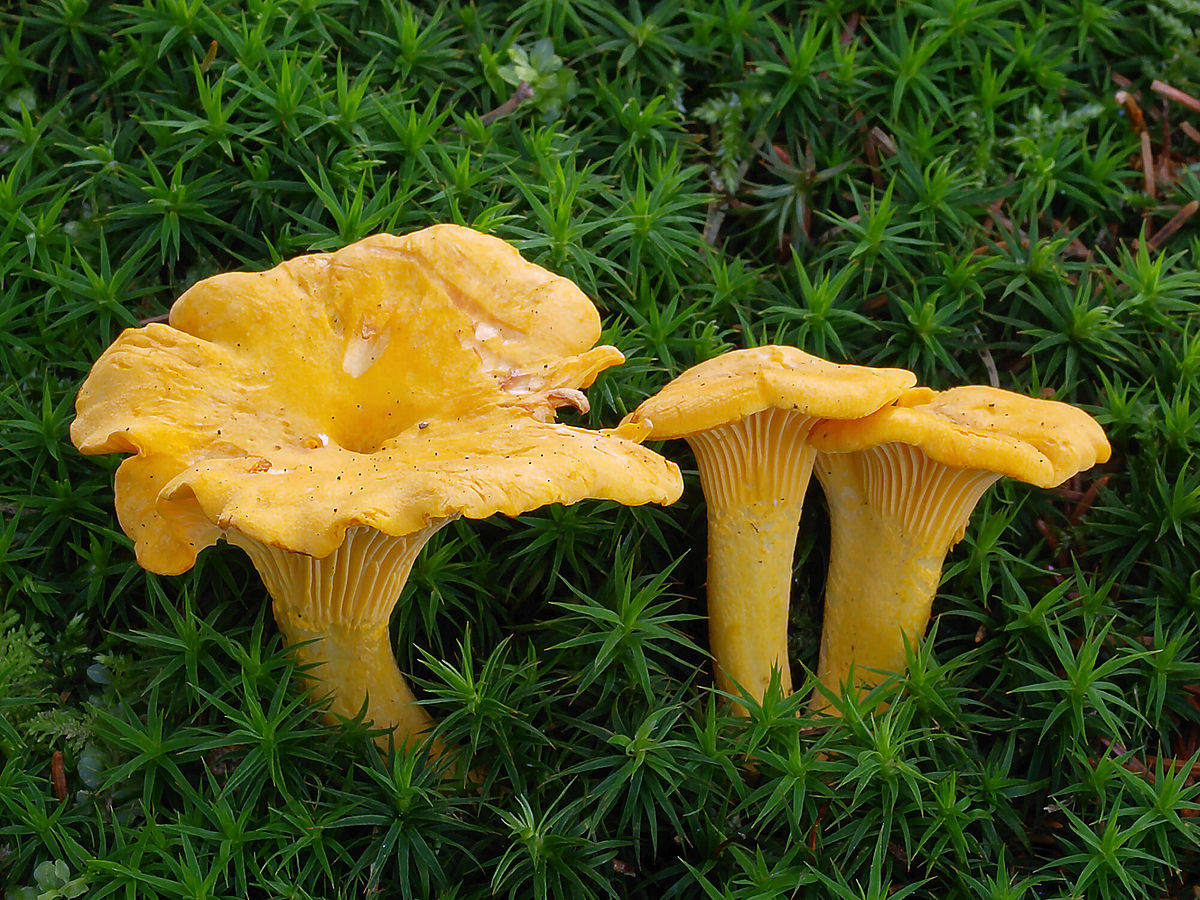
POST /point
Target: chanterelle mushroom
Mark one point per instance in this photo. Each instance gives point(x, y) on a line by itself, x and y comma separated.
point(330, 414)
point(747, 415)
point(901, 485)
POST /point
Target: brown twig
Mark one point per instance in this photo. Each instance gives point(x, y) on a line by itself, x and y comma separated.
point(1148, 164)
point(1088, 498)
point(58, 775)
point(1172, 93)
point(1178, 765)
point(507, 108)
point(714, 218)
point(1165, 174)
point(851, 27)
point(1177, 220)
point(873, 140)
point(209, 57)
point(1067, 493)
point(838, 229)
point(1144, 767)
point(1045, 531)
point(1076, 247)
point(1136, 120)
point(872, 156)
point(1133, 764)
point(988, 362)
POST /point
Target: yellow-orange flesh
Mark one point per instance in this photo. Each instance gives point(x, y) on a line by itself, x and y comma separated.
point(894, 514)
point(754, 473)
point(335, 612)
point(307, 412)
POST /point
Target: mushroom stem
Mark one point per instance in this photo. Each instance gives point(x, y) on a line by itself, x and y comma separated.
point(754, 473)
point(335, 612)
point(354, 664)
point(894, 514)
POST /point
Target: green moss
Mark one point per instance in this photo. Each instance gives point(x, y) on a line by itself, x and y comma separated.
point(949, 186)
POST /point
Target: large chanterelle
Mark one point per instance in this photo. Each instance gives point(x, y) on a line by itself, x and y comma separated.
point(330, 414)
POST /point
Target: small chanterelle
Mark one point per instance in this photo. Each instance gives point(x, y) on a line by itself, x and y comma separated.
point(330, 414)
point(902, 467)
point(747, 416)
point(901, 485)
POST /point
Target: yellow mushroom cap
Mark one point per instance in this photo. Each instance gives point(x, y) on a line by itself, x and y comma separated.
point(381, 297)
point(396, 381)
point(1042, 442)
point(738, 384)
point(446, 469)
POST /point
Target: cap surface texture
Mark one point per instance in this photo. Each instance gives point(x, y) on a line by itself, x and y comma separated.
point(393, 382)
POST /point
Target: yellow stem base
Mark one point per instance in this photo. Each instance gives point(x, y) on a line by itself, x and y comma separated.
point(356, 666)
point(879, 592)
point(754, 474)
point(749, 591)
point(338, 609)
point(894, 514)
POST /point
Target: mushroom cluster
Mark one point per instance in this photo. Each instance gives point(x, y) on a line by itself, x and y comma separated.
point(747, 416)
point(329, 415)
point(902, 468)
